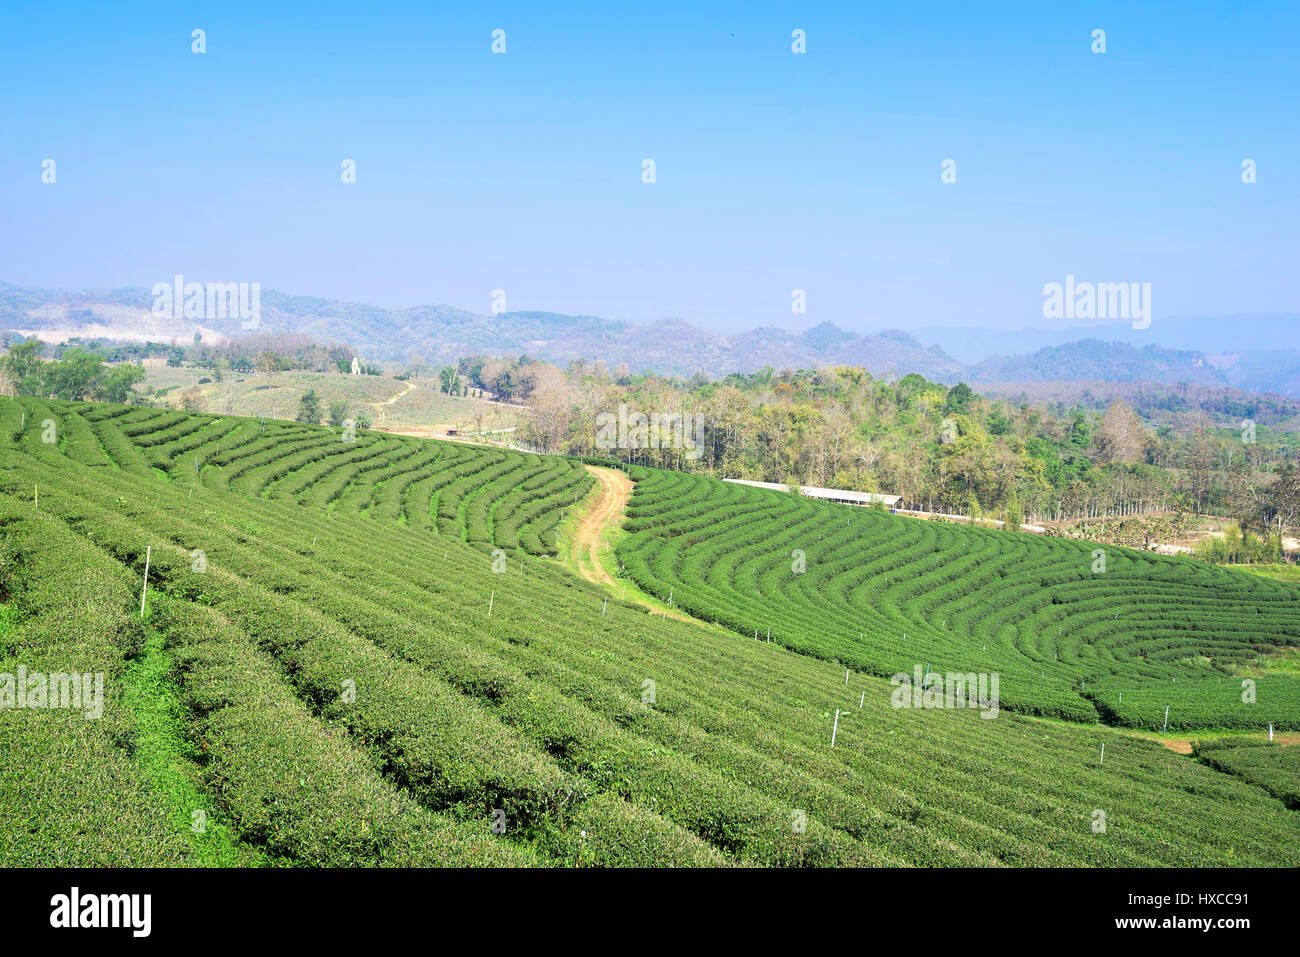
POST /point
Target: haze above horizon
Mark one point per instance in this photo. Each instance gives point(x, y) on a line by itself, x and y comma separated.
point(774, 171)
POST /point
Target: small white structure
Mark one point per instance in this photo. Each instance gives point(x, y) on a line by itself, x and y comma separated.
point(356, 366)
point(844, 496)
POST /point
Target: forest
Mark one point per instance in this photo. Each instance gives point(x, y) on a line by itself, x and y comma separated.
point(943, 449)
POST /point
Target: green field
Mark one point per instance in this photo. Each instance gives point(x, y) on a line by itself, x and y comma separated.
point(1274, 768)
point(1286, 573)
point(1068, 635)
point(357, 653)
point(424, 407)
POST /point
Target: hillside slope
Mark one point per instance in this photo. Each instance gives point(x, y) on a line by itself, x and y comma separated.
point(1068, 627)
point(365, 666)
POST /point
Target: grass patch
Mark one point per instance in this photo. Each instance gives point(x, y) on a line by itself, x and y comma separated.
point(169, 760)
point(8, 620)
point(1282, 572)
point(8, 625)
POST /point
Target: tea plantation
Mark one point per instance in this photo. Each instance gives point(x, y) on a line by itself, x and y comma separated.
point(1074, 630)
point(356, 653)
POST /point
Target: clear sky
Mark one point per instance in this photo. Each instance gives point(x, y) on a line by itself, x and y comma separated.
point(775, 171)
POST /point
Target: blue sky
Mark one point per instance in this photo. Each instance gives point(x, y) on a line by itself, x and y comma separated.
point(775, 171)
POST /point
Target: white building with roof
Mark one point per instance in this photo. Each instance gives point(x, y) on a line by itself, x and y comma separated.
point(843, 496)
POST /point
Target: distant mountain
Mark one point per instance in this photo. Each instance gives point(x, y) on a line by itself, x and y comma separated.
point(1259, 353)
point(116, 314)
point(1265, 370)
point(1092, 359)
point(444, 333)
point(1210, 335)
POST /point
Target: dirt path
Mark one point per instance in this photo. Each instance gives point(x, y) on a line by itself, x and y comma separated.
point(379, 406)
point(601, 512)
point(605, 505)
point(614, 488)
point(1184, 745)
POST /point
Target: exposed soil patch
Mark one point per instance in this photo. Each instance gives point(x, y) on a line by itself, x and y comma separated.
point(379, 406)
point(614, 489)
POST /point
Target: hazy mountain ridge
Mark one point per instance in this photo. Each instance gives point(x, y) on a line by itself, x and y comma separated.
point(1092, 359)
point(1211, 335)
point(441, 333)
point(444, 333)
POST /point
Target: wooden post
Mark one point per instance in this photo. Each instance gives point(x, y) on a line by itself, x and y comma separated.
point(602, 608)
point(861, 700)
point(1103, 752)
point(148, 552)
point(1166, 727)
point(836, 727)
point(492, 598)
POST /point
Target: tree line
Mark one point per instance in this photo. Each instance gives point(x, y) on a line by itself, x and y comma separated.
point(943, 449)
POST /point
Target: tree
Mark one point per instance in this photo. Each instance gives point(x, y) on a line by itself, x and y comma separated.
point(500, 378)
point(998, 423)
point(1281, 505)
point(267, 364)
point(192, 400)
point(1200, 465)
point(309, 408)
point(959, 399)
point(76, 377)
point(1079, 432)
point(550, 418)
point(1014, 517)
point(24, 367)
point(1121, 437)
point(117, 383)
point(338, 411)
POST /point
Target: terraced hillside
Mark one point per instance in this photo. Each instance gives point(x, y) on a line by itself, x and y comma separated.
point(1074, 630)
point(334, 666)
